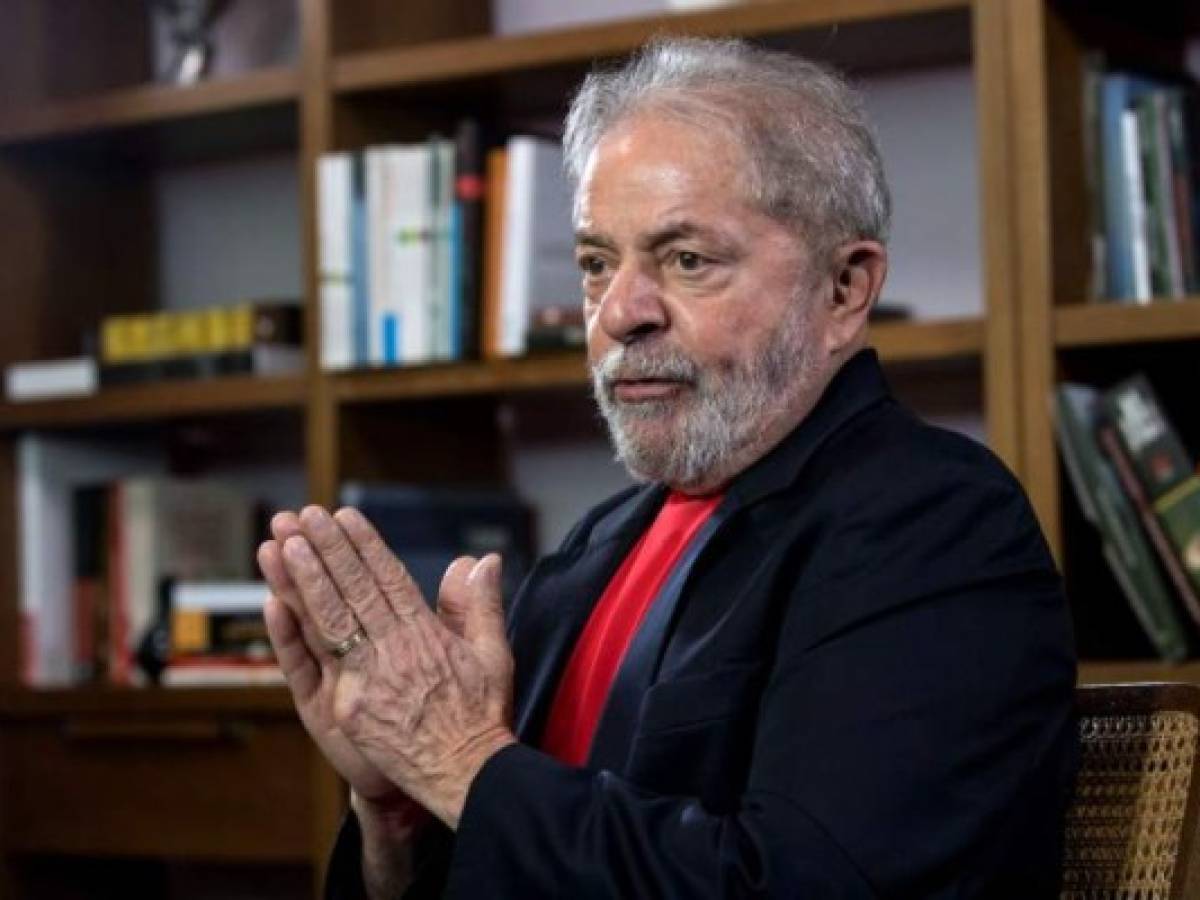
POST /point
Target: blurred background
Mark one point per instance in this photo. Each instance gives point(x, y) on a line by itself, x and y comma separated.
point(259, 253)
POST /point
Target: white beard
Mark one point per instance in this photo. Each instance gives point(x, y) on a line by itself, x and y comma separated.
point(723, 409)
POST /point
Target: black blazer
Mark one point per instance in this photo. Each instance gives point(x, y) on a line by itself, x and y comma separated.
point(860, 686)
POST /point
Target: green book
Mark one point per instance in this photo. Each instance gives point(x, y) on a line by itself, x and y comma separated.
point(1162, 465)
point(1105, 505)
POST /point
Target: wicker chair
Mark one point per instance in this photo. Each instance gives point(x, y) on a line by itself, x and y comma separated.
point(1132, 825)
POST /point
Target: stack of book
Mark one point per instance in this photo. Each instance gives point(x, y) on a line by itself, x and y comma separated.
point(255, 338)
point(1142, 136)
point(1138, 486)
point(217, 635)
point(425, 256)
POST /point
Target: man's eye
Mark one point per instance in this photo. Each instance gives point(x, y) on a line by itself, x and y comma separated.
point(688, 261)
point(592, 265)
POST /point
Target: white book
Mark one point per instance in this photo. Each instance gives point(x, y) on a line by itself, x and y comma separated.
point(382, 199)
point(219, 596)
point(441, 204)
point(50, 468)
point(335, 260)
point(410, 234)
point(46, 379)
point(539, 266)
point(1131, 154)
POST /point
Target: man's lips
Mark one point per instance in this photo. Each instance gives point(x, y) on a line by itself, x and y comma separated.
point(635, 390)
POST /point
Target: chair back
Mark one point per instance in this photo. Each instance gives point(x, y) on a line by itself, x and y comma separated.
point(1131, 829)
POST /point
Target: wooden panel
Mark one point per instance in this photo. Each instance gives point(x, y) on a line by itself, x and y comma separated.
point(369, 24)
point(1121, 671)
point(456, 60)
point(928, 341)
point(225, 787)
point(258, 702)
point(78, 244)
point(49, 50)
point(159, 401)
point(1102, 324)
point(532, 373)
point(148, 103)
point(1030, 163)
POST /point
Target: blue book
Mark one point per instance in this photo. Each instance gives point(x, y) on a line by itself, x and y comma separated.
point(1118, 92)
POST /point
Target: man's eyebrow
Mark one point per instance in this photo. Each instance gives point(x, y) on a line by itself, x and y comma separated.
point(593, 239)
point(652, 240)
point(674, 231)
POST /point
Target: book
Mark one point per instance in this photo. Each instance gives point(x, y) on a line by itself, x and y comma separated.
point(335, 261)
point(218, 618)
point(539, 267)
point(1159, 204)
point(220, 671)
point(216, 329)
point(1163, 546)
point(491, 326)
point(47, 379)
point(1104, 504)
point(1138, 213)
point(162, 529)
point(470, 187)
point(1121, 180)
point(265, 360)
point(429, 527)
point(1161, 464)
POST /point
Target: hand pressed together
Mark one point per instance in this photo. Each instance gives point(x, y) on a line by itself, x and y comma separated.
point(416, 707)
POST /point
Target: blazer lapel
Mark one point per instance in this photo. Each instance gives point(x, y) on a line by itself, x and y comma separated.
point(555, 601)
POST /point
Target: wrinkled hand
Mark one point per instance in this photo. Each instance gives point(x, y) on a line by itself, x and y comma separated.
point(425, 699)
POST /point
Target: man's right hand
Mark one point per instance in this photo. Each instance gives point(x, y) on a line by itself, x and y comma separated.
point(311, 675)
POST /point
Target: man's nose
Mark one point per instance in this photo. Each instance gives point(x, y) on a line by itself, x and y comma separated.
point(632, 306)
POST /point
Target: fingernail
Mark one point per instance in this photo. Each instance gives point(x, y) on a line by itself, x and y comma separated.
point(492, 573)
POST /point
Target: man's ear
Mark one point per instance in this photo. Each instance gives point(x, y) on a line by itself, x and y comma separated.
point(858, 269)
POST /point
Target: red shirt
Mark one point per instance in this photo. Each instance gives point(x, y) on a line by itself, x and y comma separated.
point(610, 629)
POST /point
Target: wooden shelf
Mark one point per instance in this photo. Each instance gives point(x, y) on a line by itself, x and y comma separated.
point(498, 377)
point(18, 702)
point(149, 104)
point(896, 342)
point(161, 400)
point(478, 57)
point(1102, 324)
point(1116, 671)
point(928, 341)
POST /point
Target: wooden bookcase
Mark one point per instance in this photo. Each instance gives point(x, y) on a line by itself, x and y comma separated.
point(79, 139)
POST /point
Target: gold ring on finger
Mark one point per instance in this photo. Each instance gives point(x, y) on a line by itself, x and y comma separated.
point(342, 648)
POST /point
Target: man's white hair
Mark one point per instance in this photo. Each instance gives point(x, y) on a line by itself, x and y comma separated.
point(812, 159)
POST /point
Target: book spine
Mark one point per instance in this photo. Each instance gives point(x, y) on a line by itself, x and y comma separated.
point(495, 215)
point(1137, 213)
point(1153, 444)
point(1153, 522)
point(1168, 223)
point(1179, 512)
point(380, 201)
point(1181, 188)
point(360, 263)
point(469, 193)
point(335, 261)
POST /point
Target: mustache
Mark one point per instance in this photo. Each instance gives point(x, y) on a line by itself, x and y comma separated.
point(638, 362)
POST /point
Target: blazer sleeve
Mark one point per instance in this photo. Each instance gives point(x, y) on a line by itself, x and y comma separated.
point(913, 740)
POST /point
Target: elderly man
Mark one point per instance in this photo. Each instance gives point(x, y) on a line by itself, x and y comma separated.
point(821, 652)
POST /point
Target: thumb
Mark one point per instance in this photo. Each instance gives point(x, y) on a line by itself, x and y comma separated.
point(483, 627)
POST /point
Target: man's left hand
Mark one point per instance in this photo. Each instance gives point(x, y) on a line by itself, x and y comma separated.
point(426, 703)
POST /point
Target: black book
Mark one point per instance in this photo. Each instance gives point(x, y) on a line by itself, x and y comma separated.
point(429, 527)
